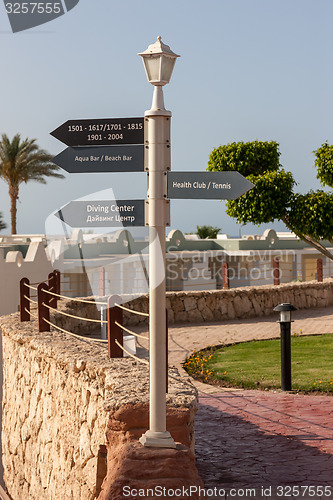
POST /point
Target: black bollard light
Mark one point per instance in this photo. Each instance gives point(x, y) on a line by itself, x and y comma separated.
point(285, 327)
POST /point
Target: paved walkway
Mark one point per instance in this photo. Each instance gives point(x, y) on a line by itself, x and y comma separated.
point(254, 439)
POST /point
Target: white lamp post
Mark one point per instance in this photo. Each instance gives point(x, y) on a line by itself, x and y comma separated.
point(159, 62)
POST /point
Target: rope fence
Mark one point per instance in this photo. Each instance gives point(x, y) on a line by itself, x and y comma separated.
point(131, 311)
point(31, 314)
point(30, 300)
point(48, 295)
point(76, 300)
point(75, 317)
point(144, 361)
point(31, 287)
point(131, 333)
point(73, 334)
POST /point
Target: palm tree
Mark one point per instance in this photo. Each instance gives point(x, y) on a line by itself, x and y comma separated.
point(23, 161)
point(205, 232)
point(2, 224)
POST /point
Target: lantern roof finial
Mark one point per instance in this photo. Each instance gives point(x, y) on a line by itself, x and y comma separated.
point(158, 48)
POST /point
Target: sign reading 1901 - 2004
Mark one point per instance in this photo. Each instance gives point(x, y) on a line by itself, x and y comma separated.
point(101, 132)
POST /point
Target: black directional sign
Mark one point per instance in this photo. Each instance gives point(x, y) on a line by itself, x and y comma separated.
point(101, 159)
point(101, 132)
point(103, 213)
point(207, 185)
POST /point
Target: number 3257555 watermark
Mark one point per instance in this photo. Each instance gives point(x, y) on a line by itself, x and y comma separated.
point(24, 15)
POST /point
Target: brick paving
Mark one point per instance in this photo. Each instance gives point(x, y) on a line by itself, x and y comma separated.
point(260, 439)
point(256, 439)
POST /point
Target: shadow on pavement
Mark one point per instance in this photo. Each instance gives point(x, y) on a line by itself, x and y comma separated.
point(235, 454)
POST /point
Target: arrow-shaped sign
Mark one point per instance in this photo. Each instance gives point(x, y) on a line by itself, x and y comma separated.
point(101, 159)
point(103, 213)
point(101, 132)
point(28, 14)
point(207, 185)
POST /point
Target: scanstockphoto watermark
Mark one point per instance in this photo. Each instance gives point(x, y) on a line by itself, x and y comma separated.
point(24, 15)
point(187, 492)
point(221, 255)
point(305, 492)
point(254, 267)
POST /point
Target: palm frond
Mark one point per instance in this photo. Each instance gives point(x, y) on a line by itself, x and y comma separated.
point(23, 161)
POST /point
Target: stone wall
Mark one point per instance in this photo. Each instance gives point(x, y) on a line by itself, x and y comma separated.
point(209, 306)
point(247, 302)
point(65, 402)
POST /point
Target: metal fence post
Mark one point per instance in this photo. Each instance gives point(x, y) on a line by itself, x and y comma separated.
point(225, 276)
point(320, 270)
point(276, 271)
point(43, 311)
point(114, 314)
point(24, 302)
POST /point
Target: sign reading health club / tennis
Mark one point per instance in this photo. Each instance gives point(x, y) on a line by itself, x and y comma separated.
point(28, 14)
point(117, 213)
point(207, 185)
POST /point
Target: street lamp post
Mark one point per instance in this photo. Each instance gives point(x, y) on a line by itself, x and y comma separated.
point(159, 62)
point(285, 327)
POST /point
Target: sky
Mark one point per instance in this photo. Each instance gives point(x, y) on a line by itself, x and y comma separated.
point(249, 69)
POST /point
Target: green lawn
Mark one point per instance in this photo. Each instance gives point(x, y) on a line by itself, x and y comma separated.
point(257, 364)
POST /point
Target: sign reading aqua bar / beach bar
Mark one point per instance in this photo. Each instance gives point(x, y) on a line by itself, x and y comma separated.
point(101, 159)
point(101, 132)
point(103, 213)
point(207, 185)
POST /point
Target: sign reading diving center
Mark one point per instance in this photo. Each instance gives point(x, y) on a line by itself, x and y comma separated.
point(104, 213)
point(207, 185)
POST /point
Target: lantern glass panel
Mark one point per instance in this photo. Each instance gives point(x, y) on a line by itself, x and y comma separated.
point(167, 67)
point(153, 65)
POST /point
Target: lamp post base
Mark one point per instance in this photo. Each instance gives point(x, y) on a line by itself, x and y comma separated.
point(152, 439)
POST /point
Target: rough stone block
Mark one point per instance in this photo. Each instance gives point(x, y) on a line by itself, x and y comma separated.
point(194, 316)
point(242, 305)
point(178, 305)
point(145, 468)
point(181, 317)
point(202, 303)
point(190, 303)
point(231, 311)
point(207, 314)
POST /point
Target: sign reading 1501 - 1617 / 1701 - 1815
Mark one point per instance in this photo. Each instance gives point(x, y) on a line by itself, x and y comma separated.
point(101, 132)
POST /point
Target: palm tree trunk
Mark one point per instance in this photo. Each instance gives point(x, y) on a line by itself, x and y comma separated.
point(13, 193)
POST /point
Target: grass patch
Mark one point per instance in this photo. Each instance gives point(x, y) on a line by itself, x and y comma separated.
point(257, 364)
